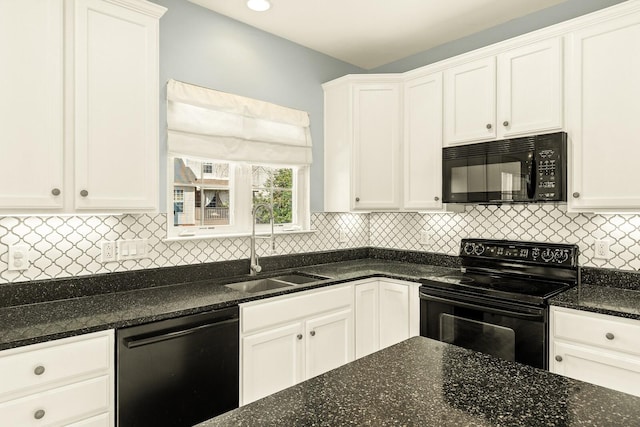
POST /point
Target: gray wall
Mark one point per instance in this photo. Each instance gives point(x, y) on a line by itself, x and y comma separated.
point(204, 48)
point(534, 21)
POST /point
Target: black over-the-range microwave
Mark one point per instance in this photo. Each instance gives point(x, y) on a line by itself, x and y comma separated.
point(519, 170)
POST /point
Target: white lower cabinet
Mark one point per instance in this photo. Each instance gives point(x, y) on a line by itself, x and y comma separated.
point(288, 339)
point(62, 382)
point(386, 312)
point(596, 348)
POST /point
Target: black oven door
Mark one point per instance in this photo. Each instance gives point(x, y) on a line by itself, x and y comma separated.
point(489, 173)
point(510, 331)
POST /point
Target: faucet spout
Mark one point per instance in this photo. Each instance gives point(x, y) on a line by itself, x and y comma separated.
point(255, 267)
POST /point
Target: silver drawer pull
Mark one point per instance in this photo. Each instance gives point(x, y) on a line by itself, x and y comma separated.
point(299, 336)
point(559, 358)
point(39, 414)
point(312, 333)
point(610, 336)
point(39, 370)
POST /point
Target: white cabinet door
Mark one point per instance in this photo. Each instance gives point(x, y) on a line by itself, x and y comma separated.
point(423, 143)
point(470, 102)
point(394, 313)
point(272, 361)
point(116, 107)
point(601, 367)
point(604, 107)
point(530, 89)
point(366, 316)
point(376, 146)
point(329, 342)
point(31, 105)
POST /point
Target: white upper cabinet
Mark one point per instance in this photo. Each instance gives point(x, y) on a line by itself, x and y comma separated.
point(362, 144)
point(422, 146)
point(530, 89)
point(376, 145)
point(31, 105)
point(517, 92)
point(470, 102)
point(116, 107)
point(604, 125)
point(80, 106)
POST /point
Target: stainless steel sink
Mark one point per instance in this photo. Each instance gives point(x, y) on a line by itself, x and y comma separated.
point(259, 285)
point(267, 284)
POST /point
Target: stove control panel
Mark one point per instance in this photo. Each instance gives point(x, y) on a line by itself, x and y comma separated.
point(534, 252)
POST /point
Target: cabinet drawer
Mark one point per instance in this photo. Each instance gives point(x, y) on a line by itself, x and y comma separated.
point(290, 308)
point(59, 405)
point(34, 367)
point(597, 329)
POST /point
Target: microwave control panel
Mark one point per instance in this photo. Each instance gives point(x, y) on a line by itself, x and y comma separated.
point(549, 170)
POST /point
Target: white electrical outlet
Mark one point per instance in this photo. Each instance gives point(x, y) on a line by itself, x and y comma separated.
point(601, 249)
point(425, 238)
point(343, 236)
point(108, 253)
point(18, 258)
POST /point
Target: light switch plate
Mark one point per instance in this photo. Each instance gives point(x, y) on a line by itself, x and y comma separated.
point(425, 238)
point(132, 249)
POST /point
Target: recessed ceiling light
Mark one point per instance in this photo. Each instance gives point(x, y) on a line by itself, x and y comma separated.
point(258, 5)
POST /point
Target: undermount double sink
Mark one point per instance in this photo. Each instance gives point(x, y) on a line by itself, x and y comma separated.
point(270, 283)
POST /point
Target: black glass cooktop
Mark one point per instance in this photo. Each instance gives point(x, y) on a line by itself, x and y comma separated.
point(509, 288)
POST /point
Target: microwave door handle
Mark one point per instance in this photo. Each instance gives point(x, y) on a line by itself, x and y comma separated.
point(532, 177)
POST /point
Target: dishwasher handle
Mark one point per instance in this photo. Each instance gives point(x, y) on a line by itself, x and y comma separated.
point(142, 340)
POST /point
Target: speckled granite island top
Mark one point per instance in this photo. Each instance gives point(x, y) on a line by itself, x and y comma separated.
point(31, 323)
point(422, 382)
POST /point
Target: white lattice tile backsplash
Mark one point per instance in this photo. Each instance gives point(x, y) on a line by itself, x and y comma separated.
point(64, 246)
point(543, 223)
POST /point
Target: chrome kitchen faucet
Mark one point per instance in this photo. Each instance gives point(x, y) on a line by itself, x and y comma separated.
point(255, 265)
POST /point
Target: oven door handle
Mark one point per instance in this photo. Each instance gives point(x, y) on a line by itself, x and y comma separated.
point(492, 310)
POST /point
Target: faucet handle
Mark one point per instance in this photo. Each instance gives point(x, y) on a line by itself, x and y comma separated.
point(256, 268)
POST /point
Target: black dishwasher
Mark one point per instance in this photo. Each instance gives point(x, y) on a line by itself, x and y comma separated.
point(178, 372)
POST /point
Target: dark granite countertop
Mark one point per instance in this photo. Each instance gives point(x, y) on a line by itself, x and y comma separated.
point(31, 323)
point(601, 299)
point(422, 382)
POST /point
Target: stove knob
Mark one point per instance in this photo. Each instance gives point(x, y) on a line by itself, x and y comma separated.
point(479, 250)
point(561, 255)
point(468, 248)
point(535, 253)
point(547, 255)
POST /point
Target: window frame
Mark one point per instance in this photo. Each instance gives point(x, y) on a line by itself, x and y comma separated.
point(241, 203)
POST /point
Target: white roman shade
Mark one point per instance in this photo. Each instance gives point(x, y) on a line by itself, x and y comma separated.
point(209, 124)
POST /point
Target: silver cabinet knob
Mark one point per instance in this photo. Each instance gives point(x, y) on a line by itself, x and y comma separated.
point(576, 195)
point(299, 336)
point(312, 333)
point(39, 370)
point(357, 199)
point(609, 336)
point(55, 191)
point(39, 414)
point(436, 198)
point(559, 358)
point(489, 126)
point(84, 193)
point(505, 123)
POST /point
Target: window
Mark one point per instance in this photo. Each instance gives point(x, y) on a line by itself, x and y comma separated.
point(217, 198)
point(228, 153)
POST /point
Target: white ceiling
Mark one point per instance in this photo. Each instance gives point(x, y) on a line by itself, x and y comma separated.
point(370, 33)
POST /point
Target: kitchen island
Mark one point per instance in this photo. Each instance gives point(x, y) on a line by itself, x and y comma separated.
point(423, 382)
